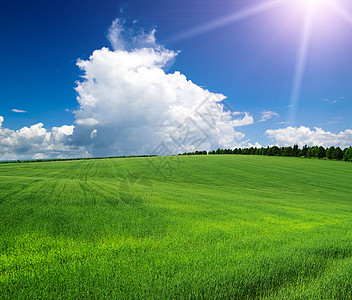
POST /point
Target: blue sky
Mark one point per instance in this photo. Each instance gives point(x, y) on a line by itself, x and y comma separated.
point(252, 61)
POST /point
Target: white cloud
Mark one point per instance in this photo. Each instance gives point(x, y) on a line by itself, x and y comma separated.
point(305, 136)
point(127, 96)
point(334, 120)
point(18, 110)
point(128, 104)
point(246, 120)
point(267, 115)
point(1, 120)
point(124, 39)
point(36, 141)
point(93, 134)
point(332, 101)
point(115, 34)
point(283, 123)
point(87, 122)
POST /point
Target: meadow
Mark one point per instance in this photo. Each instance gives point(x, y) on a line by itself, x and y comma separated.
point(209, 227)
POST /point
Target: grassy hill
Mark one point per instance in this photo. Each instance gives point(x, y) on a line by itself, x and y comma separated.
point(184, 227)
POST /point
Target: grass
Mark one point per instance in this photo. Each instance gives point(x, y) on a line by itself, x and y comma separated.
point(216, 227)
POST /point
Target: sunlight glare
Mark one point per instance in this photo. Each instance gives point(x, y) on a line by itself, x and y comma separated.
point(314, 4)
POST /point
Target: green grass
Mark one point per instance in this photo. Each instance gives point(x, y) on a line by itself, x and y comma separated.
point(218, 227)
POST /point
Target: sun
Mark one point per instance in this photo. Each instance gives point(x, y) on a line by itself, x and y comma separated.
point(314, 4)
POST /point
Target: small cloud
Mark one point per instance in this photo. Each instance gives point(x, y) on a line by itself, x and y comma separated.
point(334, 120)
point(246, 120)
point(93, 134)
point(289, 106)
point(87, 122)
point(267, 115)
point(283, 123)
point(332, 101)
point(18, 110)
point(67, 110)
point(40, 156)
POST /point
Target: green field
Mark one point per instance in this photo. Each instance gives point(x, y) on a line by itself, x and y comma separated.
point(217, 227)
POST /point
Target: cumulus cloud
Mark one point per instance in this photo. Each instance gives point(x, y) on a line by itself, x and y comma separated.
point(305, 136)
point(267, 115)
point(18, 110)
point(126, 39)
point(134, 104)
point(1, 120)
point(37, 142)
point(246, 120)
point(129, 104)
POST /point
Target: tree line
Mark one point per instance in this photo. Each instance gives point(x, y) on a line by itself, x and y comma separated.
point(335, 153)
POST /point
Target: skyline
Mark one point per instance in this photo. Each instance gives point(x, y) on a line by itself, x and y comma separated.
point(280, 69)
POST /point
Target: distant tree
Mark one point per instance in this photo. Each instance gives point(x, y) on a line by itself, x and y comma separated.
point(330, 152)
point(275, 151)
point(315, 150)
point(269, 151)
point(338, 154)
point(320, 152)
point(266, 150)
point(347, 154)
point(304, 151)
point(295, 151)
point(310, 153)
point(287, 151)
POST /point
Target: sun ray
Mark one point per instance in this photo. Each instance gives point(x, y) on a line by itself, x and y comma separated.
point(300, 65)
point(341, 12)
point(226, 20)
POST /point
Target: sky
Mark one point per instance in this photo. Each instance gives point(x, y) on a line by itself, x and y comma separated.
point(88, 78)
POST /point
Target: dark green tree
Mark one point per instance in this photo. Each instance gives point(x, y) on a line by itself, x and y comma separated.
point(347, 154)
point(338, 154)
point(295, 151)
point(330, 152)
point(304, 151)
point(320, 152)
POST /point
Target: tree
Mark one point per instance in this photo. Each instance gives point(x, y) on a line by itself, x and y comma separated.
point(338, 154)
point(320, 152)
point(295, 151)
point(276, 151)
point(287, 151)
point(310, 152)
point(348, 154)
point(304, 151)
point(330, 152)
